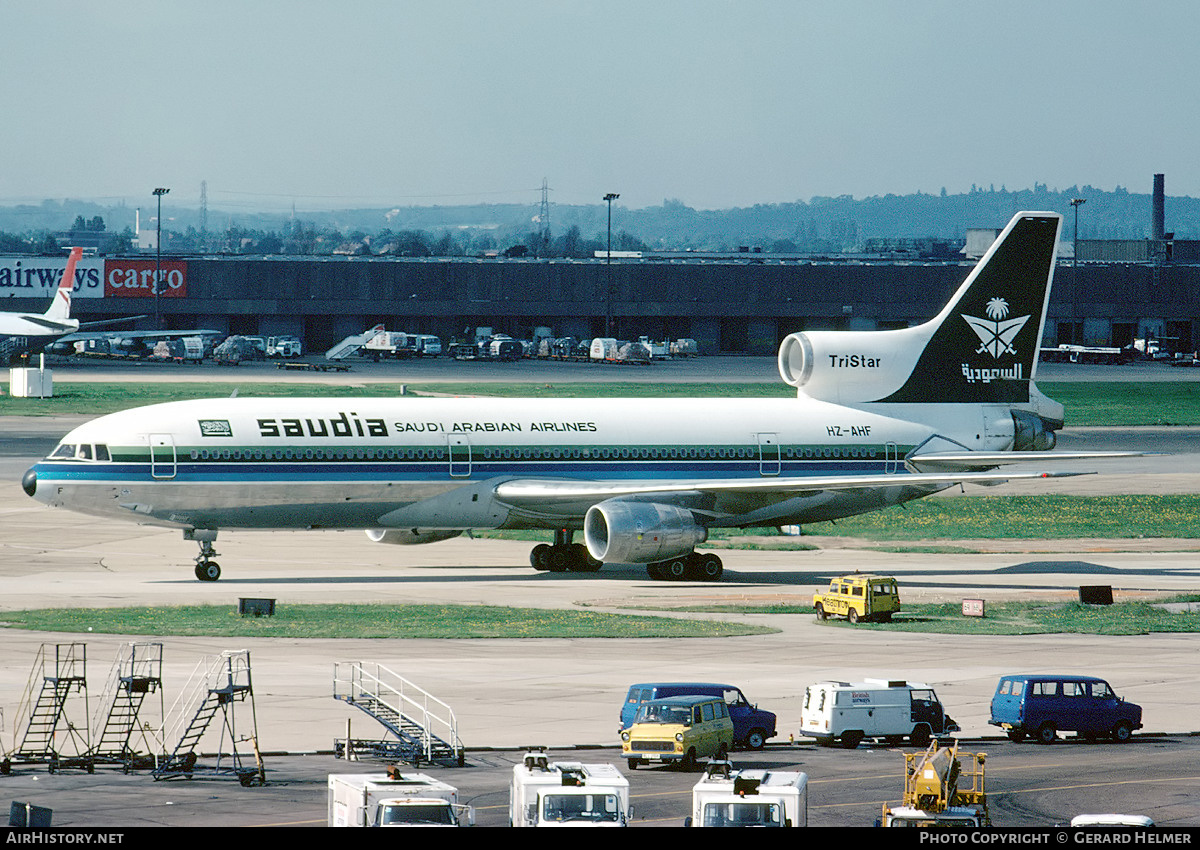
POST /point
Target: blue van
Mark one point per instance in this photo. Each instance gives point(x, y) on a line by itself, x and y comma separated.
point(1042, 705)
point(751, 726)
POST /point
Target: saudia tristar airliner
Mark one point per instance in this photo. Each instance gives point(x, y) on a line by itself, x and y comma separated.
point(880, 417)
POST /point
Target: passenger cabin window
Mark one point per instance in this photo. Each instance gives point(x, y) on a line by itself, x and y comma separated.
point(1073, 689)
point(1045, 689)
point(1101, 690)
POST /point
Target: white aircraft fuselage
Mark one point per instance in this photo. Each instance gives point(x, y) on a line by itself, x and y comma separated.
point(880, 417)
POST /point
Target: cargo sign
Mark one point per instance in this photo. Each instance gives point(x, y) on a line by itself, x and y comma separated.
point(135, 279)
point(38, 277)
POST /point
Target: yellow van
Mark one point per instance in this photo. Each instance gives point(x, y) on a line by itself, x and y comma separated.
point(678, 730)
point(860, 596)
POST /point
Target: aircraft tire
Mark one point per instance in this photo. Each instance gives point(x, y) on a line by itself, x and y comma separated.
point(676, 569)
point(208, 571)
point(558, 559)
point(709, 568)
point(539, 558)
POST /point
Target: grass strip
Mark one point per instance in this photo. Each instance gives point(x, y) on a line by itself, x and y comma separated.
point(369, 621)
point(1008, 618)
point(1049, 517)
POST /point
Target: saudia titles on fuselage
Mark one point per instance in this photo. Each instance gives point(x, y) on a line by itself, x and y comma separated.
point(352, 425)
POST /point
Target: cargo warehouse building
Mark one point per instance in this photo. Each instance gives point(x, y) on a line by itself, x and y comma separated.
point(734, 304)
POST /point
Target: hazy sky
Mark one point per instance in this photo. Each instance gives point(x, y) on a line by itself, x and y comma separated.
point(716, 104)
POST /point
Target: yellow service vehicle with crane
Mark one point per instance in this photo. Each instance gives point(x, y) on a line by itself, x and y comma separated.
point(942, 787)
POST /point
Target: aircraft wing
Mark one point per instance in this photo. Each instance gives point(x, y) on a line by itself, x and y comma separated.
point(119, 335)
point(531, 492)
point(948, 461)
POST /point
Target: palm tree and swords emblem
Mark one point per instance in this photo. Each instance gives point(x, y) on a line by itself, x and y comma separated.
point(996, 333)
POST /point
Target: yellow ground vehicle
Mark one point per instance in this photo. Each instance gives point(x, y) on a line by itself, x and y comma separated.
point(942, 787)
point(857, 597)
point(678, 730)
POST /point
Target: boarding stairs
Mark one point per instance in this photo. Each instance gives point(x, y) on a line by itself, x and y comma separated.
point(422, 727)
point(57, 688)
point(124, 736)
point(13, 347)
point(352, 344)
point(220, 685)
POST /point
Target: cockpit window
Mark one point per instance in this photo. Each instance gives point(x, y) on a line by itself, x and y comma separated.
point(81, 451)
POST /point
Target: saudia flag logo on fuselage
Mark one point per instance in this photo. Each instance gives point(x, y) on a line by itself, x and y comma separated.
point(996, 334)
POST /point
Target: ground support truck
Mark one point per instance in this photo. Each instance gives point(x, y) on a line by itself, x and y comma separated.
point(394, 799)
point(567, 793)
point(942, 787)
point(728, 797)
point(889, 709)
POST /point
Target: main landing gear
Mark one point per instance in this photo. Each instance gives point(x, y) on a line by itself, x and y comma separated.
point(694, 566)
point(563, 555)
point(206, 568)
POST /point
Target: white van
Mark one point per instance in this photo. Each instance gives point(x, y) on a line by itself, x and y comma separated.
point(846, 713)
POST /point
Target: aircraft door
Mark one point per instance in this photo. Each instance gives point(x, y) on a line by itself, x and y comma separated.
point(162, 456)
point(459, 445)
point(768, 454)
point(891, 460)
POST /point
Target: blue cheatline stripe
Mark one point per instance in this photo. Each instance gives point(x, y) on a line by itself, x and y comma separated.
point(439, 470)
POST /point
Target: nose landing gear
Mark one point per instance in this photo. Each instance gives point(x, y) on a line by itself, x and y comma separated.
point(206, 568)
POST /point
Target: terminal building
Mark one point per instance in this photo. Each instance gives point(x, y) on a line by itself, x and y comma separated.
point(728, 305)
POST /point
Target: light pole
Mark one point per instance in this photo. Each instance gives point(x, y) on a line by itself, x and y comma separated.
point(158, 193)
point(610, 197)
point(1076, 203)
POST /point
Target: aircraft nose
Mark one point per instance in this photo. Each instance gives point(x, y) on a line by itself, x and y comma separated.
point(29, 482)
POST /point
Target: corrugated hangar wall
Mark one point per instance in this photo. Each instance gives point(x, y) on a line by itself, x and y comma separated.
point(726, 306)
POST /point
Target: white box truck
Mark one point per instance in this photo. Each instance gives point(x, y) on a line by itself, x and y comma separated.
point(284, 346)
point(728, 797)
point(394, 799)
point(848, 712)
point(567, 793)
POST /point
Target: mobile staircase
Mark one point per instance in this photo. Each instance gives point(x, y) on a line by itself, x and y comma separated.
point(422, 727)
point(352, 344)
point(219, 685)
point(12, 347)
point(57, 687)
point(124, 737)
